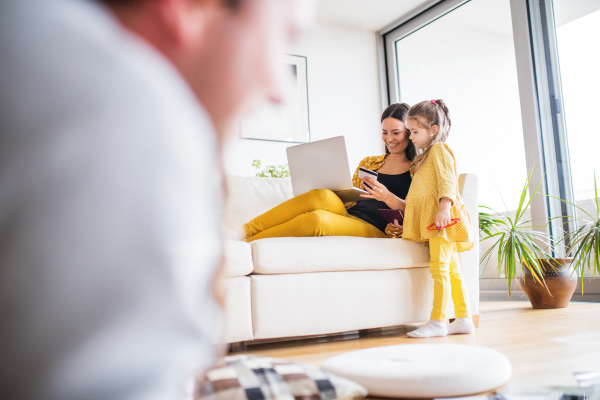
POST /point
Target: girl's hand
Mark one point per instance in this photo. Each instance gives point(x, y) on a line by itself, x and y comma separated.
point(443, 218)
point(377, 190)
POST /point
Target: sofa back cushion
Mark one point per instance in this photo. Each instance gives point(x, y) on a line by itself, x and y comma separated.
point(248, 197)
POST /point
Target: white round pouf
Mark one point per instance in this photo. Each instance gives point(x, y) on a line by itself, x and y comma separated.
point(423, 370)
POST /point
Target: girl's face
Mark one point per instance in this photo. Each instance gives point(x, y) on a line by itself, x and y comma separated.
point(420, 135)
point(394, 135)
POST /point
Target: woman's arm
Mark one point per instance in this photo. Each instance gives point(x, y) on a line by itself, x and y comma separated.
point(381, 193)
point(356, 181)
point(370, 163)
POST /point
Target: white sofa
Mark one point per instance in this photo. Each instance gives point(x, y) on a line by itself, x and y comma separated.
point(288, 287)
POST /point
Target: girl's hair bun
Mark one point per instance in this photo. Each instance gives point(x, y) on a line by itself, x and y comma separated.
point(444, 107)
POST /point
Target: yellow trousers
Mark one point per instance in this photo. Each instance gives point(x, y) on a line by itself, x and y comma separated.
point(447, 280)
point(316, 213)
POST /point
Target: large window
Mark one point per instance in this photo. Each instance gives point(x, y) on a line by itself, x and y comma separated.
point(577, 25)
point(578, 39)
point(465, 56)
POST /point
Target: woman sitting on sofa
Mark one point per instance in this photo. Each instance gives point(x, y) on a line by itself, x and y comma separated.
point(321, 212)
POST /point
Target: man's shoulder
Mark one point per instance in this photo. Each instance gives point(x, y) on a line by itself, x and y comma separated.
point(91, 76)
point(88, 68)
point(96, 90)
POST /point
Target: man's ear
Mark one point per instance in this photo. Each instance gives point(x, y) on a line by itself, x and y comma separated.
point(434, 130)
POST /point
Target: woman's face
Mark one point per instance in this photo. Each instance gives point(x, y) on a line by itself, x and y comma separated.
point(394, 135)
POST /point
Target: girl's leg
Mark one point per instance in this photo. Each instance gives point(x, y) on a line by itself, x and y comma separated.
point(320, 223)
point(462, 310)
point(319, 199)
point(440, 251)
point(460, 296)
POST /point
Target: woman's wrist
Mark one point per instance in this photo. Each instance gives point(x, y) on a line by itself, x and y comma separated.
point(394, 202)
point(389, 198)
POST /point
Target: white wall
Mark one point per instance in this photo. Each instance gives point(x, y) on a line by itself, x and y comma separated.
point(343, 95)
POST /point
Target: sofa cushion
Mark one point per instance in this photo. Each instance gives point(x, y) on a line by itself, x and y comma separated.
point(320, 303)
point(249, 197)
point(238, 259)
point(293, 255)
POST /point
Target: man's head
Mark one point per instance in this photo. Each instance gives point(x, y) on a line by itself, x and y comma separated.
point(228, 50)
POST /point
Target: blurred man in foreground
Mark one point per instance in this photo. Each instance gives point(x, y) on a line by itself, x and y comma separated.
point(110, 195)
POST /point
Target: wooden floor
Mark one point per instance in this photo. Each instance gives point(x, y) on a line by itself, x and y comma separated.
point(543, 346)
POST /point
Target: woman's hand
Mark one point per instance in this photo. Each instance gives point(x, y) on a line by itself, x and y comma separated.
point(377, 190)
point(394, 230)
point(443, 218)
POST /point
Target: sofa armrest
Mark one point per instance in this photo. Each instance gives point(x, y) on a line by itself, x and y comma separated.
point(469, 186)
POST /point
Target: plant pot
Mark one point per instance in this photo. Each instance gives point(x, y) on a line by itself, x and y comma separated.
point(561, 285)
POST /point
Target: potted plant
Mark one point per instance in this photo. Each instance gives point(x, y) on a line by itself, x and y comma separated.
point(584, 240)
point(517, 245)
point(559, 284)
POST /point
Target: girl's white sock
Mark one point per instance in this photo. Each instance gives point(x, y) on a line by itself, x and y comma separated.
point(461, 325)
point(430, 329)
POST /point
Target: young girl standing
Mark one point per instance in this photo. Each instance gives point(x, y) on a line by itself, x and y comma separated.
point(435, 215)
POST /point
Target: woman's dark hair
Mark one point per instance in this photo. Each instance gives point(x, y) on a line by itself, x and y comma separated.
point(398, 111)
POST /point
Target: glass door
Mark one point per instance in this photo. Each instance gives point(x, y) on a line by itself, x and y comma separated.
point(577, 25)
point(465, 56)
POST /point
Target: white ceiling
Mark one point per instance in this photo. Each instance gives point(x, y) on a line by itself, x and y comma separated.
point(374, 15)
point(566, 11)
point(365, 14)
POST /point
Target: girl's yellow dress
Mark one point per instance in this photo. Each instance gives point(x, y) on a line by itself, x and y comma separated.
point(436, 179)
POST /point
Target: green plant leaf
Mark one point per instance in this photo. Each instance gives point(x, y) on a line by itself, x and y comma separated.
point(271, 171)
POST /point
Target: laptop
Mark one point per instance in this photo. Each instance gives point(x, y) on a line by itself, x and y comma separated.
point(322, 165)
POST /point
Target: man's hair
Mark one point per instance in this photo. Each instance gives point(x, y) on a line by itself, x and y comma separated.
point(123, 2)
point(232, 4)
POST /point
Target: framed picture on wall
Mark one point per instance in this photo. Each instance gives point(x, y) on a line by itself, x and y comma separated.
point(288, 121)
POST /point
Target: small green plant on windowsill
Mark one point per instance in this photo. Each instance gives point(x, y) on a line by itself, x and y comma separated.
point(271, 171)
